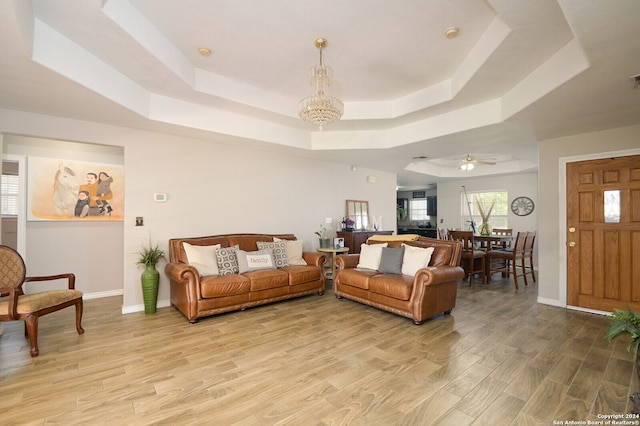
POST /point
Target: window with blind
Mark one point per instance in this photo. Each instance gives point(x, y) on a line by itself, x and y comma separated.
point(495, 202)
point(9, 187)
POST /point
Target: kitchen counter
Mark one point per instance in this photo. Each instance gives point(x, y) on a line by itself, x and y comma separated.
point(423, 232)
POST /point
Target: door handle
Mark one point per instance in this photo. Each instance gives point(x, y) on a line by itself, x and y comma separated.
point(572, 244)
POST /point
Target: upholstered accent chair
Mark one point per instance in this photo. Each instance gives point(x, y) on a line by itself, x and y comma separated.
point(15, 304)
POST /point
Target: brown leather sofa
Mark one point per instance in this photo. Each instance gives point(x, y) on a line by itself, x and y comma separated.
point(199, 296)
point(431, 291)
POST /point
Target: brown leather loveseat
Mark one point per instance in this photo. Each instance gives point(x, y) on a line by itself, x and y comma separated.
point(432, 290)
point(209, 286)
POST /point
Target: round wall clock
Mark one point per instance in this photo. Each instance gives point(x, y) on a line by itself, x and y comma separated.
point(522, 206)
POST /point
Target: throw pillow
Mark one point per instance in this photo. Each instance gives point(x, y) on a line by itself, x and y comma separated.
point(391, 260)
point(255, 260)
point(203, 258)
point(294, 251)
point(370, 255)
point(415, 258)
point(228, 260)
point(279, 249)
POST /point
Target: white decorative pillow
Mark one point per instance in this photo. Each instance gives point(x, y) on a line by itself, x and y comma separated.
point(228, 260)
point(370, 255)
point(255, 260)
point(203, 258)
point(415, 258)
point(279, 251)
point(294, 251)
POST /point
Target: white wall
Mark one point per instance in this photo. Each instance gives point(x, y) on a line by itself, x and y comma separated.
point(213, 187)
point(553, 154)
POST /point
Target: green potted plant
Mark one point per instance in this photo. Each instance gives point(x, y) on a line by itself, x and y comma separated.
point(627, 322)
point(149, 256)
point(325, 242)
point(401, 213)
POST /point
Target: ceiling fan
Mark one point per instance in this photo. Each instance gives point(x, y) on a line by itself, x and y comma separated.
point(470, 161)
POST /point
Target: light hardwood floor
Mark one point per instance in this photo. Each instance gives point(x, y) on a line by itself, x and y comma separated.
point(499, 359)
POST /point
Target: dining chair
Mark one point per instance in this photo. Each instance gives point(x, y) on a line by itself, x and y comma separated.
point(443, 233)
point(502, 232)
point(507, 261)
point(15, 304)
point(528, 253)
point(473, 260)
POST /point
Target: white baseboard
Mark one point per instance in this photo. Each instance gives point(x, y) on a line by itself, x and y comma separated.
point(101, 294)
point(140, 308)
point(125, 309)
point(552, 302)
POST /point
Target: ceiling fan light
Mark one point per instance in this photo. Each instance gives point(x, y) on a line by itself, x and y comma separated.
point(467, 166)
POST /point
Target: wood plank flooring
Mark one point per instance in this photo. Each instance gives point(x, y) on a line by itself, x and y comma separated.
point(499, 359)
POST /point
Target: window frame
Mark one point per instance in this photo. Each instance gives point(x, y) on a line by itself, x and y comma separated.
point(499, 217)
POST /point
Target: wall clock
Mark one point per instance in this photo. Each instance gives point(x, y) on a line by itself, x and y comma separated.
point(522, 206)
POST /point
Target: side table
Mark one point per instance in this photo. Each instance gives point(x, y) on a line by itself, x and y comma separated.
point(330, 268)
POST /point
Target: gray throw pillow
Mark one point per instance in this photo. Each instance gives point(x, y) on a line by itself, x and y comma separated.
point(391, 260)
point(255, 260)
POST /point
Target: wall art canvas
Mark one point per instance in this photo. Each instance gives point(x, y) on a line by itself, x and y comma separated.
point(74, 190)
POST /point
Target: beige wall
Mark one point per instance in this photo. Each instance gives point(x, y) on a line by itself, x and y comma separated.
point(553, 154)
point(212, 187)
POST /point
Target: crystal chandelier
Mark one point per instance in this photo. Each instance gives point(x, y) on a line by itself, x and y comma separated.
point(320, 108)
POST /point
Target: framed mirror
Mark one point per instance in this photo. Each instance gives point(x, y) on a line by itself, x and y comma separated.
point(358, 211)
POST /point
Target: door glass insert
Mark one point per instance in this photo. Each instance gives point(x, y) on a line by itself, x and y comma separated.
point(612, 206)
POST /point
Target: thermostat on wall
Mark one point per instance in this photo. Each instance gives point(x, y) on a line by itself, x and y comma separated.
point(160, 197)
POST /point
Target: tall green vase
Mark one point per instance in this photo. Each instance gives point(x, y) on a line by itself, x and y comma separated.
point(150, 280)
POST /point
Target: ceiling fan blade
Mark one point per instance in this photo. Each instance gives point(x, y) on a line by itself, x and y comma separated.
point(490, 163)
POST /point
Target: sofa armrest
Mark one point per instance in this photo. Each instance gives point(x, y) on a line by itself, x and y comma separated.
point(314, 258)
point(182, 273)
point(345, 261)
point(438, 274)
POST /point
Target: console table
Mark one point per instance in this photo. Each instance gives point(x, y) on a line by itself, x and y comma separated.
point(354, 239)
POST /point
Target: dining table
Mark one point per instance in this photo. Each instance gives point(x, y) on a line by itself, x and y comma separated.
point(488, 241)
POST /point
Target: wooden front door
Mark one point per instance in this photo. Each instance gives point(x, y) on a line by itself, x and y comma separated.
point(603, 233)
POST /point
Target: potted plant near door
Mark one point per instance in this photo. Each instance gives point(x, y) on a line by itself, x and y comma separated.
point(150, 255)
point(627, 322)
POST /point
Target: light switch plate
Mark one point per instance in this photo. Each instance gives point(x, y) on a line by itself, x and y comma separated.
point(160, 197)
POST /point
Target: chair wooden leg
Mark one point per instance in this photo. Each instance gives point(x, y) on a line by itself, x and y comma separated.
point(524, 272)
point(533, 274)
point(515, 274)
point(79, 306)
point(31, 323)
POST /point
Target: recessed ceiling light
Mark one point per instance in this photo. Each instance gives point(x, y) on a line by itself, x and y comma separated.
point(452, 32)
point(204, 51)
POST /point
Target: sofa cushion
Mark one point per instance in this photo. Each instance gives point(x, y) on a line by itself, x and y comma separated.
point(294, 251)
point(279, 249)
point(396, 286)
point(255, 260)
point(391, 260)
point(415, 258)
point(370, 255)
point(302, 274)
point(227, 260)
point(203, 258)
point(267, 278)
point(224, 285)
point(356, 277)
